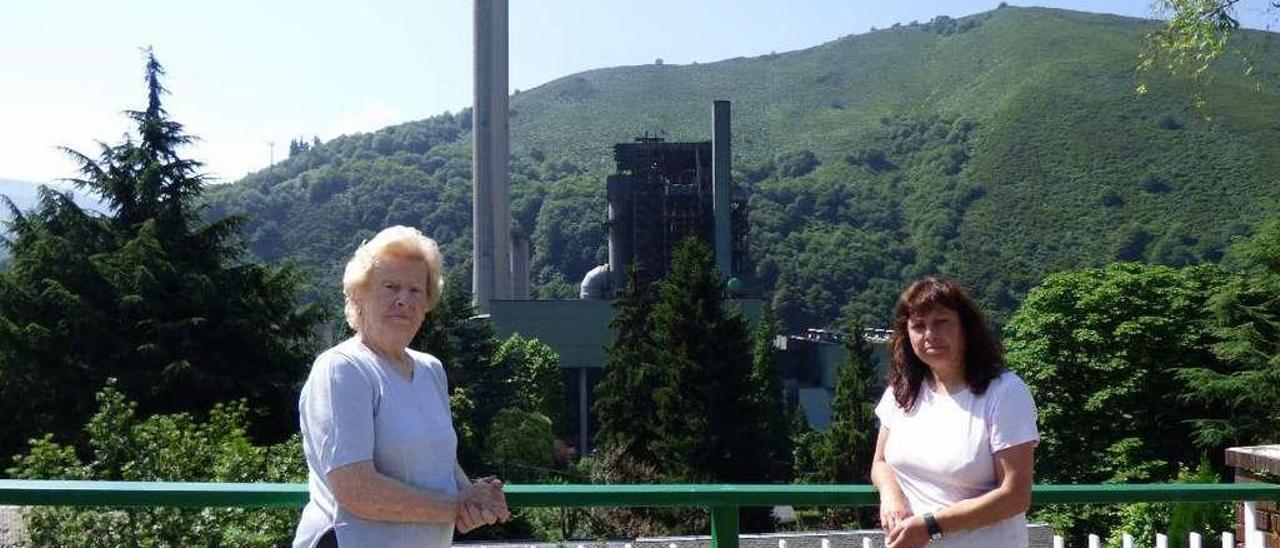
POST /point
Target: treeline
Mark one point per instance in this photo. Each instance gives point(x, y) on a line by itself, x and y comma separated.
point(1146, 373)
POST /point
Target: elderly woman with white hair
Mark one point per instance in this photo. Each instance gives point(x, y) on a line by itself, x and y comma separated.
point(376, 428)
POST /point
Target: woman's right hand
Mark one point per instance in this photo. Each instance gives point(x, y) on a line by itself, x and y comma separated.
point(894, 510)
point(483, 503)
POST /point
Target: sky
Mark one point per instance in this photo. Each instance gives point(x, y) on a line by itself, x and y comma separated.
point(245, 74)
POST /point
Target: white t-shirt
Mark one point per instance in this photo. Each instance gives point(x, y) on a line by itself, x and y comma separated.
point(356, 407)
point(942, 451)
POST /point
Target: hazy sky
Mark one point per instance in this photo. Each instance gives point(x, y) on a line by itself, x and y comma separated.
point(246, 73)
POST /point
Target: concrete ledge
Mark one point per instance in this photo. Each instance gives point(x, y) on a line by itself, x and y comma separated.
point(1258, 458)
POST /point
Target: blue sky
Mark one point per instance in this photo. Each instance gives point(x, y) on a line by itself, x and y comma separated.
point(246, 73)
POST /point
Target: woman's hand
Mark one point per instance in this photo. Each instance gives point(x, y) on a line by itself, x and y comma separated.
point(908, 533)
point(894, 511)
point(481, 503)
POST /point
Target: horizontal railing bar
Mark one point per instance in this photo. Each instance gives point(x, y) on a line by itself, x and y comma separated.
point(294, 495)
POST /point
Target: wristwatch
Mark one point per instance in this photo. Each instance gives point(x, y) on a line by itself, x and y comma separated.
point(931, 525)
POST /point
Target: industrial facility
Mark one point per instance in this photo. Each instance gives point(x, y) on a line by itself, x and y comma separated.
point(661, 193)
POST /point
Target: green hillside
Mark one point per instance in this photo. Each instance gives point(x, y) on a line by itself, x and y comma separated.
point(998, 148)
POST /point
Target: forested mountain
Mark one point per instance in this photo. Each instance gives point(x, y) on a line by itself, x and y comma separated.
point(998, 148)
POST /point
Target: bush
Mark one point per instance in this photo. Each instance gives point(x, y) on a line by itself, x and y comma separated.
point(174, 447)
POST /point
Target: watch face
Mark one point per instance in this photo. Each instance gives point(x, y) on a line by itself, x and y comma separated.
point(936, 536)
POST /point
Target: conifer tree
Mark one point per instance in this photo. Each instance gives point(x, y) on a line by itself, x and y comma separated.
point(622, 399)
point(706, 415)
point(149, 294)
point(850, 443)
point(766, 381)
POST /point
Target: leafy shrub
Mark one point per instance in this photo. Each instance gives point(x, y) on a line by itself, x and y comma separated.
point(177, 447)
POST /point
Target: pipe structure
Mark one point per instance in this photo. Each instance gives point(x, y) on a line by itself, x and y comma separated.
point(490, 161)
point(721, 185)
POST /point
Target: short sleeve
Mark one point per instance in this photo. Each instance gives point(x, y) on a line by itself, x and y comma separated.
point(1013, 415)
point(887, 410)
point(336, 411)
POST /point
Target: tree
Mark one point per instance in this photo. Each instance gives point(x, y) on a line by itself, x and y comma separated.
point(773, 435)
point(851, 440)
point(1193, 40)
point(706, 419)
point(807, 446)
point(1100, 348)
point(518, 379)
point(847, 447)
point(148, 294)
point(533, 373)
point(628, 425)
point(1246, 312)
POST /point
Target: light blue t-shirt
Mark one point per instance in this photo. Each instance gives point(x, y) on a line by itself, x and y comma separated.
point(356, 407)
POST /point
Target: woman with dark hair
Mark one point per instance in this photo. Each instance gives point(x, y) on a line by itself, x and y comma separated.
point(954, 459)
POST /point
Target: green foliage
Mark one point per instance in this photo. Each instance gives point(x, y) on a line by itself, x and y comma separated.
point(521, 444)
point(517, 379)
point(675, 402)
point(773, 437)
point(533, 372)
point(1192, 41)
point(851, 440)
point(147, 294)
point(1177, 521)
point(628, 424)
point(123, 446)
point(843, 453)
point(807, 449)
point(1246, 314)
point(1101, 350)
point(703, 406)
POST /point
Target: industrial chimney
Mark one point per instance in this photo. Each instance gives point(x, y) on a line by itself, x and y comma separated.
point(721, 185)
point(490, 224)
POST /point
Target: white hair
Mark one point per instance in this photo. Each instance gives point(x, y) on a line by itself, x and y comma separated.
point(395, 241)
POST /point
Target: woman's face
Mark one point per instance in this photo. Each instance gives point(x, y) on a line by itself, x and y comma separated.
point(396, 300)
point(937, 337)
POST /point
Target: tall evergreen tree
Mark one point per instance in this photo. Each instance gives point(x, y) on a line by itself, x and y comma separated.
point(676, 394)
point(622, 399)
point(148, 294)
point(706, 417)
point(851, 440)
point(1245, 385)
point(773, 435)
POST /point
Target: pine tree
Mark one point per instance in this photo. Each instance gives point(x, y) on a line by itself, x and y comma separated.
point(707, 420)
point(1244, 386)
point(850, 443)
point(148, 294)
point(622, 399)
point(773, 436)
point(845, 452)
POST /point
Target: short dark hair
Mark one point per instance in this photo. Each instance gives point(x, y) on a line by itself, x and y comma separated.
point(983, 356)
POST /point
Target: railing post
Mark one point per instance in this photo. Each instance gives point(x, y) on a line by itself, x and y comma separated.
point(1250, 524)
point(724, 527)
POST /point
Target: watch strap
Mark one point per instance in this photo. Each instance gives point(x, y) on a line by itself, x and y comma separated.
point(931, 525)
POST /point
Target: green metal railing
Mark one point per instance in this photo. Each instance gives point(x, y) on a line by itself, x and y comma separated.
point(723, 501)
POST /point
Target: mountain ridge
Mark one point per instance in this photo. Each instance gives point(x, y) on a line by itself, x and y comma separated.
point(997, 147)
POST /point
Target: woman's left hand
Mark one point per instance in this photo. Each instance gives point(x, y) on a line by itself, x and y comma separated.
point(908, 534)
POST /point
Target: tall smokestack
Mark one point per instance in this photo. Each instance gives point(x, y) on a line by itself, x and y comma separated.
point(721, 185)
point(491, 271)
